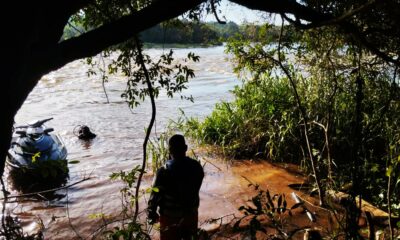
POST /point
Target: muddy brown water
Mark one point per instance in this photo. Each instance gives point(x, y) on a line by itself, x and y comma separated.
point(72, 98)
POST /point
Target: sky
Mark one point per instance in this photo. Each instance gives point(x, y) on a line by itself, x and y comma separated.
point(229, 11)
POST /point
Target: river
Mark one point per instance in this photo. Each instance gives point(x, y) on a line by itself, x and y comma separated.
point(72, 98)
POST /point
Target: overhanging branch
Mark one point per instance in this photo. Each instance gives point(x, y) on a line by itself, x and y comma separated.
point(93, 42)
point(284, 6)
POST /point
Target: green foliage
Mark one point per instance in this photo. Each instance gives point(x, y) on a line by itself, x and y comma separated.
point(165, 73)
point(48, 169)
point(260, 122)
point(98, 215)
point(72, 29)
point(267, 33)
point(253, 32)
point(181, 32)
point(129, 179)
point(132, 230)
point(157, 150)
point(351, 101)
point(185, 32)
point(224, 30)
point(393, 173)
point(128, 228)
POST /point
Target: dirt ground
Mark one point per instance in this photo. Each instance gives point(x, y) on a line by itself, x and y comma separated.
point(226, 188)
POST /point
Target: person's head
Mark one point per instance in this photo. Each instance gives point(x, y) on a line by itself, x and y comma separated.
point(177, 146)
point(84, 133)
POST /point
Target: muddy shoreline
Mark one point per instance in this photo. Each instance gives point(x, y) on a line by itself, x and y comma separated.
point(225, 188)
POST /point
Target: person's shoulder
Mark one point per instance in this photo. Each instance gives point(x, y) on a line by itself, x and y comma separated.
point(191, 160)
point(194, 162)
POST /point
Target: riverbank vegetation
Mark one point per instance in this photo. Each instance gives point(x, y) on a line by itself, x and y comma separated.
point(181, 33)
point(319, 102)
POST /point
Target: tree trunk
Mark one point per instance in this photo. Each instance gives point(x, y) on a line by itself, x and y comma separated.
point(16, 89)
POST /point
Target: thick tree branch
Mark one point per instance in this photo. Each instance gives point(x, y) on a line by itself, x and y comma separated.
point(214, 10)
point(333, 20)
point(284, 6)
point(93, 42)
point(360, 38)
point(349, 13)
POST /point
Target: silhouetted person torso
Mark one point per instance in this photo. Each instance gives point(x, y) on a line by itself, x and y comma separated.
point(180, 182)
point(177, 198)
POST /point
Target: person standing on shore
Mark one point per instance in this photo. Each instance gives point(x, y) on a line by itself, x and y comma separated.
point(178, 184)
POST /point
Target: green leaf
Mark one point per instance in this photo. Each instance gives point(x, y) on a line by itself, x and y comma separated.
point(315, 152)
point(74, 162)
point(389, 171)
point(35, 157)
point(152, 189)
point(98, 215)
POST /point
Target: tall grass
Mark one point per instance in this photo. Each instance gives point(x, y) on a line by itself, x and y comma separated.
point(157, 151)
point(260, 122)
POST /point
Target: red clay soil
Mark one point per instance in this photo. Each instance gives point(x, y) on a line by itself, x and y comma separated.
point(225, 189)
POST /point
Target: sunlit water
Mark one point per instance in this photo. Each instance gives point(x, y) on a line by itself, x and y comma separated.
point(72, 98)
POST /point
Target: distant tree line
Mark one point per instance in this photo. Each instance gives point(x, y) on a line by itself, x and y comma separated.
point(181, 32)
point(210, 33)
point(253, 32)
